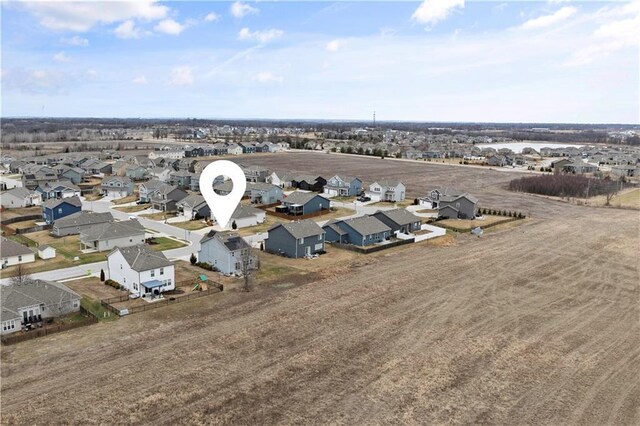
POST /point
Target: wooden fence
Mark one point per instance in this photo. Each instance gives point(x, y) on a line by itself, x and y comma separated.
point(168, 300)
point(88, 319)
point(11, 220)
point(480, 224)
point(374, 248)
point(31, 229)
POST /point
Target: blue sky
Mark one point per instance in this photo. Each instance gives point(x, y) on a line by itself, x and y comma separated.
point(436, 60)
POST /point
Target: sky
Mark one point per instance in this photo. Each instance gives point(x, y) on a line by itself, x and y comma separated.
point(437, 60)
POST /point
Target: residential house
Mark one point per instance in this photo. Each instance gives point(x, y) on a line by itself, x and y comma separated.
point(13, 253)
point(58, 189)
point(386, 190)
point(308, 182)
point(34, 301)
point(161, 173)
point(234, 149)
point(295, 239)
point(256, 173)
point(141, 271)
point(54, 209)
point(116, 187)
point(246, 216)
point(463, 206)
point(34, 180)
point(247, 148)
point(96, 167)
point(621, 171)
point(265, 193)
point(20, 197)
point(181, 179)
point(194, 206)
point(364, 230)
point(335, 234)
point(106, 236)
point(73, 174)
point(497, 161)
point(280, 178)
point(78, 222)
point(343, 186)
point(227, 252)
point(301, 203)
point(135, 172)
point(147, 189)
point(165, 198)
point(399, 220)
point(579, 167)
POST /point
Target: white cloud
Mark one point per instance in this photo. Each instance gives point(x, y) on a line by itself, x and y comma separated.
point(141, 79)
point(431, 12)
point(212, 17)
point(127, 30)
point(169, 26)
point(268, 77)
point(82, 16)
point(61, 57)
point(548, 20)
point(240, 10)
point(91, 74)
point(181, 76)
point(260, 36)
point(333, 45)
point(75, 41)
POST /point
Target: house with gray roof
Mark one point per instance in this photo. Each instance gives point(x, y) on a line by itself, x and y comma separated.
point(13, 253)
point(265, 193)
point(246, 216)
point(109, 235)
point(140, 270)
point(255, 173)
point(364, 230)
point(166, 197)
point(387, 190)
point(116, 187)
point(146, 189)
point(181, 179)
point(58, 189)
point(20, 197)
point(78, 222)
point(343, 186)
point(33, 301)
point(463, 206)
point(194, 206)
point(54, 209)
point(227, 252)
point(301, 203)
point(335, 234)
point(399, 220)
point(295, 239)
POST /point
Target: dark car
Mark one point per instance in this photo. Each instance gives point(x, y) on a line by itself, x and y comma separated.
point(364, 198)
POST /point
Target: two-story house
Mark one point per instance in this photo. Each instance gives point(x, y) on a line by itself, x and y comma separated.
point(141, 271)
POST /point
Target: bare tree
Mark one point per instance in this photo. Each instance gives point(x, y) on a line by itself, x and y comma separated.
point(248, 264)
point(22, 276)
point(612, 189)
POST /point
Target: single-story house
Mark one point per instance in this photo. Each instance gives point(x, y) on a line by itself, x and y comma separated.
point(399, 220)
point(13, 253)
point(33, 301)
point(301, 203)
point(78, 222)
point(364, 230)
point(227, 252)
point(54, 209)
point(20, 197)
point(246, 216)
point(295, 239)
point(140, 270)
point(58, 189)
point(109, 235)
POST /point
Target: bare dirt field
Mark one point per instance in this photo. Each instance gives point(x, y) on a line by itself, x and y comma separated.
point(532, 324)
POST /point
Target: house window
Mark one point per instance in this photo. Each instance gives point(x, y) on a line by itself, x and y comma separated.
point(301, 241)
point(161, 271)
point(75, 304)
point(60, 210)
point(19, 258)
point(153, 273)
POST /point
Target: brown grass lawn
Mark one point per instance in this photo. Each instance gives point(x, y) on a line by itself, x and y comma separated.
point(467, 224)
point(93, 197)
point(93, 288)
point(263, 227)
point(191, 225)
point(164, 243)
point(404, 203)
point(131, 198)
point(629, 198)
point(133, 209)
point(159, 215)
point(27, 211)
point(23, 224)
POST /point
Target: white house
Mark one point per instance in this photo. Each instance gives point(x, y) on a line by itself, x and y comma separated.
point(20, 197)
point(46, 252)
point(234, 149)
point(226, 251)
point(142, 271)
point(245, 216)
point(13, 253)
point(173, 154)
point(386, 190)
point(116, 187)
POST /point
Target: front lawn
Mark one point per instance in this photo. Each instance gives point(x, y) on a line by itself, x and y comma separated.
point(164, 243)
point(132, 209)
point(129, 199)
point(159, 215)
point(191, 225)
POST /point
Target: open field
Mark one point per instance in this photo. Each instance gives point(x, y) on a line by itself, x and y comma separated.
point(467, 224)
point(532, 324)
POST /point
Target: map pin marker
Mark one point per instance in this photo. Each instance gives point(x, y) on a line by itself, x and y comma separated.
point(222, 206)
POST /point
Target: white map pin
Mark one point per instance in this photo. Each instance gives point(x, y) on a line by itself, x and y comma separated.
point(222, 206)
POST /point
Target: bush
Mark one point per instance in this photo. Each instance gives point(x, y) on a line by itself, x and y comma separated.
point(193, 259)
point(102, 277)
point(561, 185)
point(205, 265)
point(114, 284)
point(416, 201)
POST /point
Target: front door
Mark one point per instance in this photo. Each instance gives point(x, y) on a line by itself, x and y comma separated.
point(307, 251)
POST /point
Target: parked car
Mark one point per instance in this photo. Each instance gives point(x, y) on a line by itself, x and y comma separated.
point(364, 198)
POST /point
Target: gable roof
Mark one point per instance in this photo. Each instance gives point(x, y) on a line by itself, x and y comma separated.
point(33, 292)
point(333, 224)
point(104, 231)
point(230, 240)
point(140, 258)
point(54, 202)
point(387, 183)
point(299, 197)
point(10, 248)
point(399, 216)
point(83, 218)
point(18, 192)
point(365, 225)
point(245, 211)
point(301, 229)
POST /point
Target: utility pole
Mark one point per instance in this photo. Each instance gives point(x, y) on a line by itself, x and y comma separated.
point(374, 119)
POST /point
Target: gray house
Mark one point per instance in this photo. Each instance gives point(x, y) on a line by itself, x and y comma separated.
point(295, 239)
point(33, 301)
point(77, 222)
point(399, 220)
point(110, 235)
point(333, 233)
point(301, 203)
point(265, 193)
point(364, 230)
point(194, 206)
point(226, 251)
point(343, 186)
point(20, 197)
point(256, 173)
point(166, 197)
point(462, 206)
point(116, 187)
point(147, 189)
